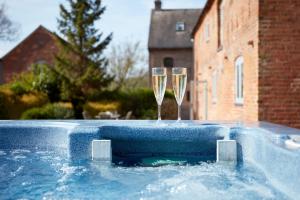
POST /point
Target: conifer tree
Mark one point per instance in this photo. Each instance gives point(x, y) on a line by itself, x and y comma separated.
point(80, 63)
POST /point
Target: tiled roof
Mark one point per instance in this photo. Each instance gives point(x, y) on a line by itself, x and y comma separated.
point(163, 33)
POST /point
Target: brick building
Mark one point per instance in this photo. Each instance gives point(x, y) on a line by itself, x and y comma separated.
point(247, 61)
point(170, 43)
point(38, 47)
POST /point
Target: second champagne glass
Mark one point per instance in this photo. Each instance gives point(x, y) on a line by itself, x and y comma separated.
point(179, 79)
point(159, 82)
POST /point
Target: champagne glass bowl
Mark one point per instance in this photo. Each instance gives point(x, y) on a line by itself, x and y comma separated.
point(179, 79)
point(159, 83)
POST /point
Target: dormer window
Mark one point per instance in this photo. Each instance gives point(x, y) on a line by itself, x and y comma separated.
point(180, 26)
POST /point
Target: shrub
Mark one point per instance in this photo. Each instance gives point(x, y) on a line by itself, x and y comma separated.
point(93, 108)
point(140, 101)
point(3, 108)
point(148, 114)
point(106, 95)
point(12, 106)
point(18, 88)
point(22, 83)
point(46, 81)
point(50, 111)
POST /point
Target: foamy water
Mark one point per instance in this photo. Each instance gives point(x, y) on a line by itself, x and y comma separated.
point(46, 174)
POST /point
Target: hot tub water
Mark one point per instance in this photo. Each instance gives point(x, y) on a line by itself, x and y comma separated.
point(38, 174)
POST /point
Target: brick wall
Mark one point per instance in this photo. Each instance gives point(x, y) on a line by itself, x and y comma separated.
point(1, 72)
point(240, 32)
point(279, 58)
point(182, 58)
point(39, 46)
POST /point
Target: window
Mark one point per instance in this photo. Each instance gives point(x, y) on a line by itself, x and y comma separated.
point(168, 62)
point(239, 79)
point(41, 62)
point(214, 86)
point(180, 26)
point(220, 23)
point(188, 96)
point(207, 32)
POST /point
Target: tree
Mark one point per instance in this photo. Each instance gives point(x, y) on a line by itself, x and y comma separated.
point(8, 29)
point(80, 63)
point(126, 65)
point(47, 81)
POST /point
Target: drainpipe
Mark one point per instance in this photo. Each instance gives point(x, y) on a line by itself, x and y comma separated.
point(205, 97)
point(191, 100)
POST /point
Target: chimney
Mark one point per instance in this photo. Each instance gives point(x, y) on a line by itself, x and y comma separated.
point(157, 5)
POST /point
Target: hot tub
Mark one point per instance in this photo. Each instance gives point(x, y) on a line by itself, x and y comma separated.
point(150, 160)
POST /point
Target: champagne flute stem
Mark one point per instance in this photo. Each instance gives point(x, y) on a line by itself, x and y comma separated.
point(159, 112)
point(179, 112)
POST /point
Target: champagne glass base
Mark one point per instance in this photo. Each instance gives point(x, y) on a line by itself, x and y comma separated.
point(180, 123)
point(160, 123)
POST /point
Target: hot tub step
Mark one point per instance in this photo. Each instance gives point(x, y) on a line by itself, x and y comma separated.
point(101, 150)
point(226, 151)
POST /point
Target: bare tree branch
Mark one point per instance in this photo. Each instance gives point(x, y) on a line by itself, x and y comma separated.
point(126, 64)
point(8, 29)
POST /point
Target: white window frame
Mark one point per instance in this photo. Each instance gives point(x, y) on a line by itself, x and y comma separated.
point(214, 86)
point(180, 26)
point(41, 62)
point(222, 22)
point(239, 80)
point(207, 32)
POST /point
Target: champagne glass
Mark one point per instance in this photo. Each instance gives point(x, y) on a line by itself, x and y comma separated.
point(179, 79)
point(159, 82)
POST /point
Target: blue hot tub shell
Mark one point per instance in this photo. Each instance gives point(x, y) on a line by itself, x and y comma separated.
point(164, 141)
point(261, 144)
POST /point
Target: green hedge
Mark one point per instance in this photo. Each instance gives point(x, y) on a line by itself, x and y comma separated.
point(49, 111)
point(116, 95)
point(3, 107)
point(140, 101)
point(22, 83)
point(12, 105)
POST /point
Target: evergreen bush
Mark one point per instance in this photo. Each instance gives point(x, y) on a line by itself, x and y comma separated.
point(49, 111)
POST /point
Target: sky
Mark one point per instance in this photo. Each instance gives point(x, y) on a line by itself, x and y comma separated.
point(128, 20)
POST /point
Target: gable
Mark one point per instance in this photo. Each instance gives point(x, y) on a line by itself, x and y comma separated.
point(39, 46)
point(163, 34)
point(37, 38)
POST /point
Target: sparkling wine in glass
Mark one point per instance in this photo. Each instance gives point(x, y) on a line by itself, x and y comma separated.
point(159, 82)
point(179, 79)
